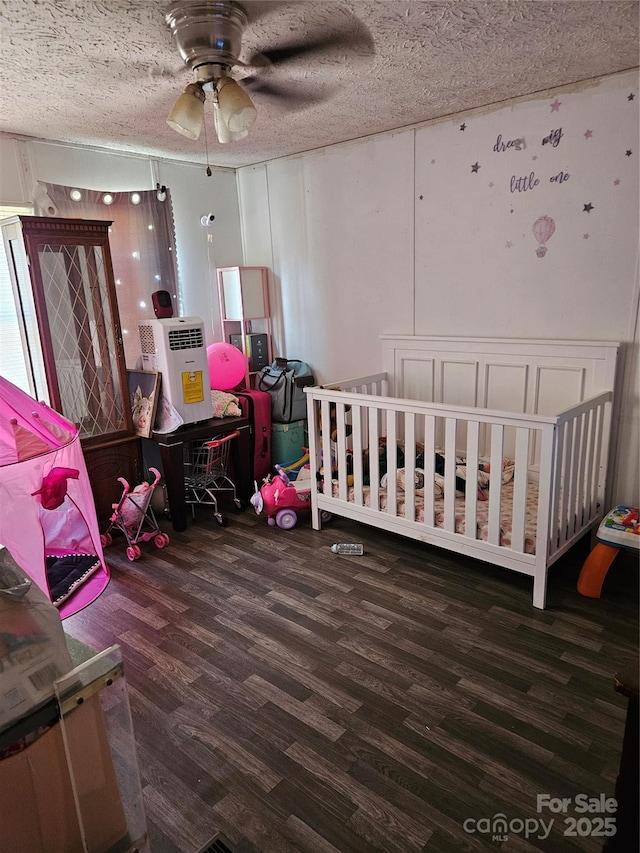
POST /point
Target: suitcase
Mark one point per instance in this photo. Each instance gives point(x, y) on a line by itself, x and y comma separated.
point(288, 442)
point(256, 405)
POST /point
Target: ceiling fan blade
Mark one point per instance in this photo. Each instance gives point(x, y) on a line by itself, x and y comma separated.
point(293, 94)
point(356, 42)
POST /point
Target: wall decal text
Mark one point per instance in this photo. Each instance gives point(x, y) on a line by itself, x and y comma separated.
point(554, 138)
point(516, 144)
point(522, 185)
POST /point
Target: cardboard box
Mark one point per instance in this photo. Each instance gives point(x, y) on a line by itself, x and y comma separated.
point(257, 351)
point(37, 803)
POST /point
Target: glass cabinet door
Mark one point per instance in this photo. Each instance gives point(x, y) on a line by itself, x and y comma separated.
point(79, 328)
point(82, 336)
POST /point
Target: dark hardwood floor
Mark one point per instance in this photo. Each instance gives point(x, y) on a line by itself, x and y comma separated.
point(295, 700)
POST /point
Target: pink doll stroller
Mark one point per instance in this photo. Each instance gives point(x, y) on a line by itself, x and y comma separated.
point(133, 516)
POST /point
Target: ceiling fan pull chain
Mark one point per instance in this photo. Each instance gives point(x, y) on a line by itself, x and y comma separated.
point(206, 150)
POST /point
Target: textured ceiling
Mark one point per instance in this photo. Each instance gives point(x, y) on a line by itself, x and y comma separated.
point(106, 72)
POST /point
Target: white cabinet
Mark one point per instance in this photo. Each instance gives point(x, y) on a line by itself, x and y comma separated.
point(243, 293)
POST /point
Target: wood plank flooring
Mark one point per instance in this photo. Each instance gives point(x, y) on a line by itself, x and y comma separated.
point(295, 700)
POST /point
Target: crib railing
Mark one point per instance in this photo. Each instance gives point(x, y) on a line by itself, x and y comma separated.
point(579, 471)
point(570, 467)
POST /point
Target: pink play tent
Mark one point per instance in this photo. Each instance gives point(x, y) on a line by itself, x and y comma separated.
point(47, 513)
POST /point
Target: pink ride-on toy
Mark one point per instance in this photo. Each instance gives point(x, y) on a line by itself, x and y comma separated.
point(133, 516)
point(281, 499)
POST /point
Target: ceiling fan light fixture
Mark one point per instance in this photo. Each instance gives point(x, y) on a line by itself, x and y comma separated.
point(236, 107)
point(222, 130)
point(187, 114)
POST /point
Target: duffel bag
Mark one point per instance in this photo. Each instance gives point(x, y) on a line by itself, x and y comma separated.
point(284, 379)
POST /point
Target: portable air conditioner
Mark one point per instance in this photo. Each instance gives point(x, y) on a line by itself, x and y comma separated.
point(175, 347)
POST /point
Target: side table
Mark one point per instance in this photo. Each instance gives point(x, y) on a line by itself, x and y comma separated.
point(171, 447)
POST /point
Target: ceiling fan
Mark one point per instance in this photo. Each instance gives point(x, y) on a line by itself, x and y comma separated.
point(208, 35)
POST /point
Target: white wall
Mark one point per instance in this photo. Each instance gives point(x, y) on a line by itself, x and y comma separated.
point(200, 250)
point(397, 233)
point(336, 228)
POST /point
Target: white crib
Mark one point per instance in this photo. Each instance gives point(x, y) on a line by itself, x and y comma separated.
point(538, 412)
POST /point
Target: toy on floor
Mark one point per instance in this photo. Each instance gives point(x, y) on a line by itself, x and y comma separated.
point(205, 474)
point(294, 469)
point(281, 499)
point(133, 516)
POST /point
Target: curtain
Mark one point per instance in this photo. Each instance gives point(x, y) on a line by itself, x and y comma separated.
point(142, 243)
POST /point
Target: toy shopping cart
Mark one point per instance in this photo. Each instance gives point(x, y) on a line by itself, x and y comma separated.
point(133, 516)
point(205, 473)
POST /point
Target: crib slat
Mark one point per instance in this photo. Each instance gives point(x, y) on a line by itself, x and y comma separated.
point(495, 483)
point(410, 466)
point(356, 437)
point(598, 464)
point(341, 450)
point(583, 495)
point(450, 474)
point(566, 483)
point(471, 494)
point(585, 500)
point(548, 518)
point(556, 486)
point(325, 442)
point(392, 462)
point(580, 472)
point(572, 520)
point(374, 460)
point(429, 468)
point(520, 480)
point(592, 468)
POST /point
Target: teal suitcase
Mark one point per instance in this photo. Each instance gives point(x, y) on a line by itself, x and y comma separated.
point(288, 441)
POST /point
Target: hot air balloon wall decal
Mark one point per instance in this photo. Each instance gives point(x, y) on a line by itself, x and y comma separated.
point(543, 229)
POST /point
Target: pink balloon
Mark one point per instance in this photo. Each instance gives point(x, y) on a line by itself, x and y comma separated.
point(227, 366)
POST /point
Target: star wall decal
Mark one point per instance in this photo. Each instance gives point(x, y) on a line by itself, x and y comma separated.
point(588, 134)
point(463, 126)
point(631, 97)
point(490, 183)
point(475, 167)
point(587, 208)
point(585, 236)
point(616, 182)
point(508, 244)
point(628, 152)
point(433, 162)
point(555, 106)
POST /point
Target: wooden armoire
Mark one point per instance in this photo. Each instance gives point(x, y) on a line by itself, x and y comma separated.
point(63, 282)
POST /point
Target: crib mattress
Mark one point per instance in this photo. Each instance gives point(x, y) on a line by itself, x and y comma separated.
point(482, 511)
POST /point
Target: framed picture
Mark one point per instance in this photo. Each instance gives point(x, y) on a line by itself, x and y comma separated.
point(144, 390)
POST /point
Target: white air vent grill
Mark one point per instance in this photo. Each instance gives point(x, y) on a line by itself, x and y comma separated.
point(185, 339)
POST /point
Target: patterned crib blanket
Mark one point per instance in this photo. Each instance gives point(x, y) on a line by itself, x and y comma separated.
point(482, 507)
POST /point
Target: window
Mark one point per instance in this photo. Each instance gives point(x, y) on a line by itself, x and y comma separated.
point(13, 352)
